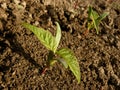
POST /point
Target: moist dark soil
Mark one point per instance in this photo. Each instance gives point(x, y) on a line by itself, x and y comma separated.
point(22, 57)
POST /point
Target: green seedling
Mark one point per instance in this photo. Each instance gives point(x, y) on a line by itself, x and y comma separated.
point(94, 19)
point(63, 55)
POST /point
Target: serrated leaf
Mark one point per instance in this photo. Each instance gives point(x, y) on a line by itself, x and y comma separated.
point(71, 60)
point(58, 35)
point(45, 37)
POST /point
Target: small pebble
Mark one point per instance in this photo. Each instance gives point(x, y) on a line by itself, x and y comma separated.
point(1, 26)
point(4, 6)
point(118, 44)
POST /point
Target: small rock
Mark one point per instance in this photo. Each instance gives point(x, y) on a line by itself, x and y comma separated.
point(22, 6)
point(3, 14)
point(1, 74)
point(23, 3)
point(105, 37)
point(36, 70)
point(115, 79)
point(4, 6)
point(1, 26)
point(118, 44)
point(16, 2)
point(101, 73)
point(79, 36)
point(36, 23)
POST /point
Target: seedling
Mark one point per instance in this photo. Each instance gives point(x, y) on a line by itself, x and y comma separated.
point(63, 55)
point(94, 19)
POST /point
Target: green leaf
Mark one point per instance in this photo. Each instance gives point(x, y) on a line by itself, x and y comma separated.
point(101, 17)
point(44, 36)
point(71, 60)
point(89, 12)
point(63, 62)
point(52, 62)
point(94, 17)
point(58, 35)
point(92, 13)
point(96, 24)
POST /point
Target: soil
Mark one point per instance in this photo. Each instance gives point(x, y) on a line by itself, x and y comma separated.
point(22, 57)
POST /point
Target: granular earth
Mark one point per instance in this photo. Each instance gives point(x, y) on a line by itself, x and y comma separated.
point(22, 57)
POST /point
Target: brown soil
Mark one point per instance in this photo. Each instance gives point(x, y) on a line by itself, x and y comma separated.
point(22, 57)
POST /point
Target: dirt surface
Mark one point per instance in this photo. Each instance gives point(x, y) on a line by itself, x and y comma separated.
point(22, 57)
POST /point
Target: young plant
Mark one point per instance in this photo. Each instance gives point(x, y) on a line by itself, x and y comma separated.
point(64, 55)
point(94, 19)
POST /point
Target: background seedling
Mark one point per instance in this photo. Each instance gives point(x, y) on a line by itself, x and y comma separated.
point(64, 55)
point(94, 19)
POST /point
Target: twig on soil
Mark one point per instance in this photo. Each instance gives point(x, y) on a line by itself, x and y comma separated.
point(44, 70)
